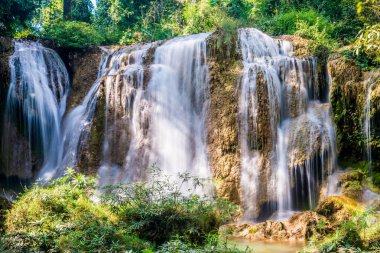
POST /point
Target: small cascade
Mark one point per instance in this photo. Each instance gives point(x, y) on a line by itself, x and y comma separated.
point(367, 116)
point(127, 116)
point(286, 135)
point(76, 126)
point(36, 100)
point(161, 118)
point(178, 92)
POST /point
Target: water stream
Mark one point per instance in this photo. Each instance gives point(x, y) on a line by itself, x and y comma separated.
point(287, 138)
point(163, 118)
point(36, 100)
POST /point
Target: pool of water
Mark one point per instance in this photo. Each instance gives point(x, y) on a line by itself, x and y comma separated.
point(267, 246)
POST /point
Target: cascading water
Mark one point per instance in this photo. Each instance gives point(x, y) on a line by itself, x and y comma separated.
point(367, 116)
point(165, 119)
point(125, 129)
point(37, 97)
point(178, 91)
point(286, 135)
point(156, 106)
point(76, 124)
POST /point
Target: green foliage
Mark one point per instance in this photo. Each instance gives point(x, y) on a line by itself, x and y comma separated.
point(73, 34)
point(81, 10)
point(355, 235)
point(368, 42)
point(376, 179)
point(52, 13)
point(212, 246)
point(369, 11)
point(62, 217)
point(67, 216)
point(15, 15)
point(157, 210)
point(286, 22)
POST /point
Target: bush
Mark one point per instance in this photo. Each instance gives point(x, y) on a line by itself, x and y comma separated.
point(212, 246)
point(62, 217)
point(285, 22)
point(376, 179)
point(368, 42)
point(157, 211)
point(66, 216)
point(73, 34)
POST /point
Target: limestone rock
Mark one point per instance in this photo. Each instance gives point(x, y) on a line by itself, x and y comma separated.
point(299, 227)
point(222, 123)
point(338, 208)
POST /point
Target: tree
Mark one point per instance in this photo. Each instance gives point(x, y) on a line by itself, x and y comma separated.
point(16, 14)
point(78, 10)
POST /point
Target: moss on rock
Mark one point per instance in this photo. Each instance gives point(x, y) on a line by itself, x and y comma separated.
point(225, 69)
point(347, 96)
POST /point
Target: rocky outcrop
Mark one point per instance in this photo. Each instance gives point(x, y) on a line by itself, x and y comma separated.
point(338, 208)
point(328, 216)
point(301, 46)
point(222, 124)
point(299, 227)
point(83, 67)
point(347, 95)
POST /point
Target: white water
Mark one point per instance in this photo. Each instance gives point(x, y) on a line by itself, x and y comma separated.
point(166, 119)
point(287, 138)
point(367, 117)
point(76, 124)
point(126, 97)
point(286, 135)
point(179, 93)
point(37, 95)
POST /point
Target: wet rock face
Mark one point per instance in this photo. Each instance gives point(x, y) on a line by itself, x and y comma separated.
point(83, 66)
point(222, 123)
point(301, 45)
point(349, 87)
point(6, 50)
point(347, 95)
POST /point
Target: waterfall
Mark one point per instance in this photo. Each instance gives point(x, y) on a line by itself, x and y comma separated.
point(124, 157)
point(75, 126)
point(287, 138)
point(164, 116)
point(36, 99)
point(179, 94)
point(156, 99)
point(367, 117)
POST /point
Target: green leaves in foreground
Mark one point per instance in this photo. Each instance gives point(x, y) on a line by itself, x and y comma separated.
point(69, 216)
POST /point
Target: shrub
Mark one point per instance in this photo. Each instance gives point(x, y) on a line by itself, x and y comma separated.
point(61, 217)
point(368, 42)
point(157, 211)
point(212, 246)
point(66, 216)
point(285, 22)
point(73, 34)
point(376, 179)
